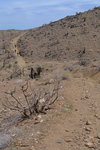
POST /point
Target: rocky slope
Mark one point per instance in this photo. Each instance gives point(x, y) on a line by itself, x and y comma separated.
point(71, 38)
point(74, 37)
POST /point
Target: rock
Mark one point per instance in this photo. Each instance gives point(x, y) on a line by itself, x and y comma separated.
point(87, 97)
point(36, 141)
point(68, 140)
point(76, 109)
point(59, 141)
point(32, 148)
point(19, 81)
point(98, 136)
point(69, 68)
point(66, 130)
point(90, 144)
point(5, 140)
point(39, 116)
point(42, 100)
point(41, 121)
point(88, 122)
point(87, 129)
point(97, 116)
point(51, 81)
point(38, 132)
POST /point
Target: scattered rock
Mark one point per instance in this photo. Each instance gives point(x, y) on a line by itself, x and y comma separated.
point(19, 81)
point(59, 141)
point(32, 148)
point(38, 133)
point(88, 122)
point(90, 144)
point(5, 140)
point(97, 116)
point(66, 130)
point(87, 97)
point(76, 109)
point(69, 68)
point(51, 81)
point(41, 121)
point(87, 129)
point(98, 136)
point(68, 140)
point(39, 116)
point(42, 100)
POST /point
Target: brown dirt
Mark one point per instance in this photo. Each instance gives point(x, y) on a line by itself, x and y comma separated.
point(74, 121)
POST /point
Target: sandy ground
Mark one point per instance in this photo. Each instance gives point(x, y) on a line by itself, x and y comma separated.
point(73, 123)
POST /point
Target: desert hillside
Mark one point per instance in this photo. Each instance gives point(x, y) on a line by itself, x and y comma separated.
point(71, 38)
point(74, 37)
point(50, 85)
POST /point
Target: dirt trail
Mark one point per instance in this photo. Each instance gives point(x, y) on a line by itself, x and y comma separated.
point(76, 130)
point(14, 48)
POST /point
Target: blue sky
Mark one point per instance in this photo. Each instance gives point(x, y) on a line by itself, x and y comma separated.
point(25, 14)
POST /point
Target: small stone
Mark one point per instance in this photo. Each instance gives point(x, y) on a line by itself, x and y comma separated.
point(38, 132)
point(68, 140)
point(60, 141)
point(61, 87)
point(62, 97)
point(42, 100)
point(36, 122)
point(66, 130)
point(98, 136)
point(87, 129)
point(88, 123)
point(39, 116)
point(41, 121)
point(87, 91)
point(5, 140)
point(87, 97)
point(13, 135)
point(97, 116)
point(36, 141)
point(76, 109)
point(89, 145)
point(51, 81)
point(32, 148)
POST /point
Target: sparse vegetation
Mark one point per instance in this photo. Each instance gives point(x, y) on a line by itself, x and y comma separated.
point(36, 61)
point(34, 101)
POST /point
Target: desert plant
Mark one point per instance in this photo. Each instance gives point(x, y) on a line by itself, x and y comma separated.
point(34, 101)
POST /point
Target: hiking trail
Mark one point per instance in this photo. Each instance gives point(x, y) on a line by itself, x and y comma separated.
point(15, 49)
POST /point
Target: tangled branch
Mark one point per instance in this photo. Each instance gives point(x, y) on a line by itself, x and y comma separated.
point(33, 101)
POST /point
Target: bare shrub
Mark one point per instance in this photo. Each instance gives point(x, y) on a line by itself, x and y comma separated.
point(34, 101)
point(35, 72)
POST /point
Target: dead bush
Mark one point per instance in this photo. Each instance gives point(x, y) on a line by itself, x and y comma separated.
point(34, 101)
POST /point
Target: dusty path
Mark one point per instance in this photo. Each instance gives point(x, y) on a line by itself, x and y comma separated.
point(79, 129)
point(14, 48)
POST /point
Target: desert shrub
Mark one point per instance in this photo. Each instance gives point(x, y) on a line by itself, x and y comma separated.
point(16, 73)
point(33, 101)
point(78, 13)
point(69, 68)
point(35, 72)
point(84, 62)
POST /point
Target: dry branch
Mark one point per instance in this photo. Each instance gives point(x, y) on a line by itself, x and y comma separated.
point(37, 101)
